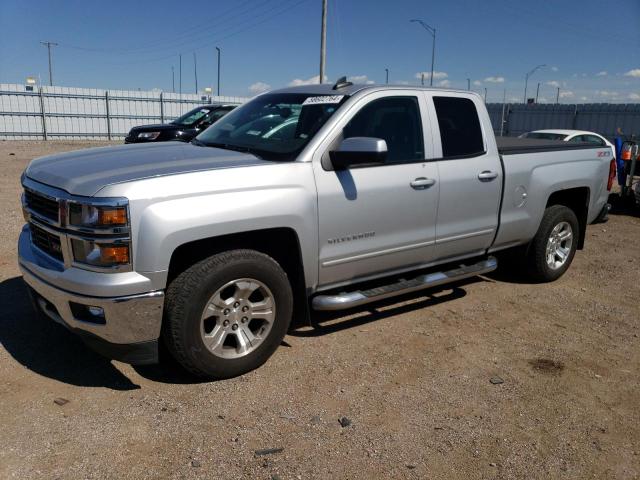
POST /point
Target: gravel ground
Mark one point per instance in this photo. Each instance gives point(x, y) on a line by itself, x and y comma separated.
point(493, 378)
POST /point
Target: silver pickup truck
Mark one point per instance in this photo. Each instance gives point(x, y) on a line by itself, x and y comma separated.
point(320, 197)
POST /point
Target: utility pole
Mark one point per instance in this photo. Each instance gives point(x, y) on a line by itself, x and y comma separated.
point(558, 96)
point(195, 70)
point(504, 101)
point(526, 80)
point(323, 41)
point(432, 31)
point(180, 75)
point(218, 49)
point(387, 71)
point(485, 94)
point(173, 79)
point(49, 45)
point(537, 92)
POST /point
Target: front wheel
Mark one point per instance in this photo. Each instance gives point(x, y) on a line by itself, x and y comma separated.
point(226, 315)
point(554, 246)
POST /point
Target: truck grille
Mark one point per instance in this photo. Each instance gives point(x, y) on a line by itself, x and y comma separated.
point(45, 241)
point(41, 205)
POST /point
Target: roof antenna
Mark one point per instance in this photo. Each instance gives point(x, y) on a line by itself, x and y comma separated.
point(342, 82)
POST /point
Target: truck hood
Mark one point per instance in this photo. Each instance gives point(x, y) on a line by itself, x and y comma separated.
point(85, 172)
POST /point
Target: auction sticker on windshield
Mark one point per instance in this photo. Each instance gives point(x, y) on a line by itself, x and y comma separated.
point(323, 99)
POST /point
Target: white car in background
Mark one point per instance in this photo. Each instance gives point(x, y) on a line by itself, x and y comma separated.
point(575, 136)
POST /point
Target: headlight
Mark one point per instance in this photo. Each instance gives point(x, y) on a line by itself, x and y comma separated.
point(92, 216)
point(148, 135)
point(100, 254)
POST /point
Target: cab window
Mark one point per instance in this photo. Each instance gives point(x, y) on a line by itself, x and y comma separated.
point(397, 121)
point(460, 130)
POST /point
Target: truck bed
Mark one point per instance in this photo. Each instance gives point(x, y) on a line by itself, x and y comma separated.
point(515, 146)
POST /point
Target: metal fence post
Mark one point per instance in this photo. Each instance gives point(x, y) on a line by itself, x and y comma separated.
point(161, 109)
point(106, 103)
point(44, 116)
point(575, 118)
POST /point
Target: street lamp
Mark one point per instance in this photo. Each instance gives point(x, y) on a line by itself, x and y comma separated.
point(526, 79)
point(387, 70)
point(432, 31)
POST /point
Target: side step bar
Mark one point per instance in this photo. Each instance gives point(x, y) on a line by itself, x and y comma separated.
point(345, 300)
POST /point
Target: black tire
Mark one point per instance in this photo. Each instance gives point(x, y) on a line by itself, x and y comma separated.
point(188, 294)
point(536, 261)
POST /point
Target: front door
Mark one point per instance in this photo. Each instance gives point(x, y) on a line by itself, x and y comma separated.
point(378, 219)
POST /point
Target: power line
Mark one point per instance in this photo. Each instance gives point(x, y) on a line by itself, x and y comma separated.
point(197, 36)
point(208, 44)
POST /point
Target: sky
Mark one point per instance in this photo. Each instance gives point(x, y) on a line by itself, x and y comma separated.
point(590, 48)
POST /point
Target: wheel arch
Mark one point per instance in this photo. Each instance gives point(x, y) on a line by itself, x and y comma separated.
point(577, 199)
point(281, 243)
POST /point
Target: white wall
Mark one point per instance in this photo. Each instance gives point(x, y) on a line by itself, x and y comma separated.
point(81, 113)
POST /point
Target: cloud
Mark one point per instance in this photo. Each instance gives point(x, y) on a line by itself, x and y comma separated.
point(477, 83)
point(444, 83)
point(566, 94)
point(401, 82)
point(360, 79)
point(584, 99)
point(259, 87)
point(554, 69)
point(606, 93)
point(553, 83)
point(436, 75)
point(296, 82)
point(494, 79)
point(603, 73)
point(633, 73)
point(634, 96)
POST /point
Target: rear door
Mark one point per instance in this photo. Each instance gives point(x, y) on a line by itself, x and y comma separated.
point(378, 219)
point(470, 175)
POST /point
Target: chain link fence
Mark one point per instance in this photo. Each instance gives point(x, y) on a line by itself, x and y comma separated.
point(28, 112)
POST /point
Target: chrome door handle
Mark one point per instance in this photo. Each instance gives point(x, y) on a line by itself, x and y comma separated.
point(421, 183)
point(487, 175)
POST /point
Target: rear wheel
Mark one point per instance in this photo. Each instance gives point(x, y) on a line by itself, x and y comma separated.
point(554, 246)
point(226, 315)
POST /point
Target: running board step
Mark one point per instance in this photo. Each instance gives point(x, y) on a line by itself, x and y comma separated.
point(346, 300)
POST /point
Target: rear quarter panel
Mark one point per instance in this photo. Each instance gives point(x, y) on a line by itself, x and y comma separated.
point(541, 174)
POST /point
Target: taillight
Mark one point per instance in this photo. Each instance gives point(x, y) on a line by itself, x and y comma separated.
point(612, 173)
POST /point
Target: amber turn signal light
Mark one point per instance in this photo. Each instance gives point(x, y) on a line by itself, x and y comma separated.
point(114, 255)
point(112, 216)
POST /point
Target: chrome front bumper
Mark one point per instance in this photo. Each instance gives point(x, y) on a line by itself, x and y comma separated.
point(127, 320)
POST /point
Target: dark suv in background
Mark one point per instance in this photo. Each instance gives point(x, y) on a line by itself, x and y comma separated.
point(183, 128)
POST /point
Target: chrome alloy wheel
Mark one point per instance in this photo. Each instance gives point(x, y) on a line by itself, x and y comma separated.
point(237, 318)
point(559, 245)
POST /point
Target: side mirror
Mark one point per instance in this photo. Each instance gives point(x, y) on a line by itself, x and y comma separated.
point(359, 151)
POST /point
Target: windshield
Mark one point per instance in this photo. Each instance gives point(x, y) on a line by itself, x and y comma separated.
point(273, 126)
point(544, 135)
point(191, 116)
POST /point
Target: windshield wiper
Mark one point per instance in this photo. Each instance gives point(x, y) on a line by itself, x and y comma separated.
point(199, 143)
point(228, 146)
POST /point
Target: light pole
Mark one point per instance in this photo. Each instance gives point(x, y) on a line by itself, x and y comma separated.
point(468, 84)
point(387, 77)
point(526, 79)
point(432, 31)
point(537, 92)
point(218, 70)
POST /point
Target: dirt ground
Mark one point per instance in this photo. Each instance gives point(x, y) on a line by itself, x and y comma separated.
point(412, 375)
